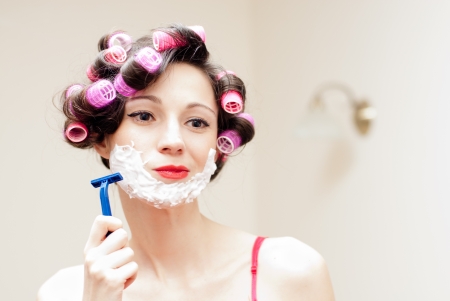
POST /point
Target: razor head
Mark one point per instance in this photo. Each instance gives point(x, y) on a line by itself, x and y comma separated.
point(116, 177)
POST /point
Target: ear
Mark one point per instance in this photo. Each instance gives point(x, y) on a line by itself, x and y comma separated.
point(103, 149)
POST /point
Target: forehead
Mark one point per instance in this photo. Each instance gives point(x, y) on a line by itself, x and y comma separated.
point(182, 83)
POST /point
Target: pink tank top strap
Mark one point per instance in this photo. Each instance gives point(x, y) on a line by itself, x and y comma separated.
point(254, 270)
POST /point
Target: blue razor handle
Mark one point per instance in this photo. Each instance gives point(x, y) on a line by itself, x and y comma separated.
point(103, 183)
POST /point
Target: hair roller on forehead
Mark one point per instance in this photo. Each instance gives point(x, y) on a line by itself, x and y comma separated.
point(115, 54)
point(121, 39)
point(164, 41)
point(101, 93)
point(72, 89)
point(149, 59)
point(90, 73)
point(122, 87)
point(69, 92)
point(76, 132)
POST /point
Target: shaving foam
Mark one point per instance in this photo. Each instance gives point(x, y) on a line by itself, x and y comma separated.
point(138, 183)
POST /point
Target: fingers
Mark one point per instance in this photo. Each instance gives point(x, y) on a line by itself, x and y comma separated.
point(101, 226)
point(129, 271)
point(116, 259)
point(117, 240)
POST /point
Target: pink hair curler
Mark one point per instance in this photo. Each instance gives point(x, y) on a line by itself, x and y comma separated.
point(248, 117)
point(76, 132)
point(221, 74)
point(228, 141)
point(115, 55)
point(72, 89)
point(231, 102)
point(90, 74)
point(122, 39)
point(149, 59)
point(200, 31)
point(122, 87)
point(101, 93)
point(163, 41)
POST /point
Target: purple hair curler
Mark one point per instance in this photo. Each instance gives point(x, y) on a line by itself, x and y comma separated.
point(231, 102)
point(76, 132)
point(149, 59)
point(122, 87)
point(228, 141)
point(115, 55)
point(248, 117)
point(223, 73)
point(123, 39)
point(72, 89)
point(91, 75)
point(101, 93)
point(163, 41)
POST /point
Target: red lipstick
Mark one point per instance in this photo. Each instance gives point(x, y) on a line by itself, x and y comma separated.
point(172, 172)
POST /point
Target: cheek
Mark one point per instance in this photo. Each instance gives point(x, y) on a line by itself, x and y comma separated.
point(127, 135)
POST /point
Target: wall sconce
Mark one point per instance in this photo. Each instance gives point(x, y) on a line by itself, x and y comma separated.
point(363, 112)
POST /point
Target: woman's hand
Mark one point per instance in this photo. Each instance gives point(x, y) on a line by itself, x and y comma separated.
point(108, 265)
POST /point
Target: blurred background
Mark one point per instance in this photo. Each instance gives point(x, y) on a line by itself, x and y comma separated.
point(375, 206)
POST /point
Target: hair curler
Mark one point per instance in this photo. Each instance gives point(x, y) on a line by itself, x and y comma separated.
point(101, 93)
point(231, 102)
point(163, 41)
point(248, 117)
point(72, 89)
point(221, 74)
point(122, 87)
point(228, 141)
point(122, 39)
point(91, 74)
point(149, 59)
point(115, 55)
point(200, 31)
point(76, 132)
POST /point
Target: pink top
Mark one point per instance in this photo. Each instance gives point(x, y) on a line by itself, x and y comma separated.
point(254, 270)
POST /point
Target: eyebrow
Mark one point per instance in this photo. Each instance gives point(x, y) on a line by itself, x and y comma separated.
point(196, 104)
point(157, 100)
point(153, 98)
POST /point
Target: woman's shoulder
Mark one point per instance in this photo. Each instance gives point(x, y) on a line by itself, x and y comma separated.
point(65, 285)
point(294, 269)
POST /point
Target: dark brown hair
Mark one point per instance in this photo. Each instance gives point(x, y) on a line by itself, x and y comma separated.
point(101, 122)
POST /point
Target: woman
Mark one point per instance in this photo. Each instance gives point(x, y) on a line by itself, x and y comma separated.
point(165, 117)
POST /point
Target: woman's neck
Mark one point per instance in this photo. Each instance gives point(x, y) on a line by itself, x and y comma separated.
point(171, 243)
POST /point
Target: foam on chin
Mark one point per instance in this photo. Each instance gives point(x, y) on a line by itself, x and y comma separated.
point(138, 183)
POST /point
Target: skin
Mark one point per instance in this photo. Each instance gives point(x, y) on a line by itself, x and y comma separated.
point(177, 253)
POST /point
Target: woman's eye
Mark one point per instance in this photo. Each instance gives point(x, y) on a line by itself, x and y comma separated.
point(198, 123)
point(141, 116)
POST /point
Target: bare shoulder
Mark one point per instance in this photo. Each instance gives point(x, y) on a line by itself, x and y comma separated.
point(65, 285)
point(292, 270)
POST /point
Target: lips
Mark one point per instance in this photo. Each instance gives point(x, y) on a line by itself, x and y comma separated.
point(172, 172)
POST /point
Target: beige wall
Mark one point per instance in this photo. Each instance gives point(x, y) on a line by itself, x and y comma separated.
point(376, 208)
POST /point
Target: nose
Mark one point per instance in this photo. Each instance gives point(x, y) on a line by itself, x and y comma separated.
point(171, 141)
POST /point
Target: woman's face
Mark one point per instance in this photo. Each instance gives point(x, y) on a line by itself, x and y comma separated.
point(173, 123)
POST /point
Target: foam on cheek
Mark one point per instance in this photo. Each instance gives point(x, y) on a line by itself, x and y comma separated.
point(138, 183)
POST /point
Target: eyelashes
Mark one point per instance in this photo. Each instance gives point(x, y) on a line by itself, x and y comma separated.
point(141, 116)
point(145, 116)
point(198, 123)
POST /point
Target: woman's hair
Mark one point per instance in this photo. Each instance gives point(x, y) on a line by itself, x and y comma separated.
point(101, 122)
